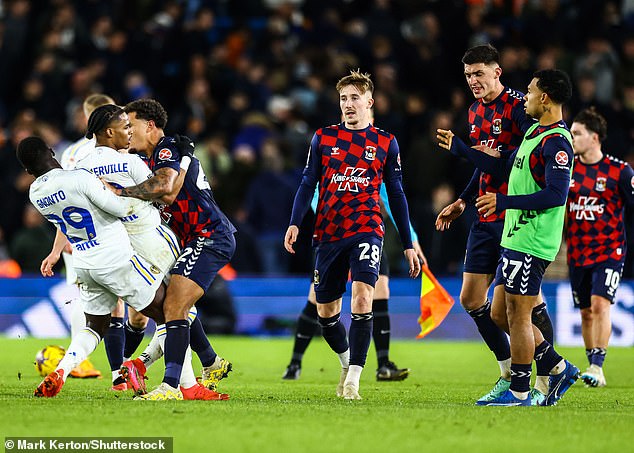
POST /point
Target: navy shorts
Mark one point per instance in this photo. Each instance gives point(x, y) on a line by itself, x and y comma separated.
point(600, 279)
point(358, 255)
point(522, 273)
point(483, 247)
point(202, 258)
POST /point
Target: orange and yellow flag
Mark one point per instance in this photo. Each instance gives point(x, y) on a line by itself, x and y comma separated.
point(435, 303)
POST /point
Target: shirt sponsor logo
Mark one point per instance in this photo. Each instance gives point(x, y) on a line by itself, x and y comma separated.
point(351, 179)
point(586, 207)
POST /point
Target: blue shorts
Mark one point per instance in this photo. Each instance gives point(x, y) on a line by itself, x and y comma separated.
point(483, 247)
point(600, 279)
point(359, 255)
point(522, 273)
point(202, 258)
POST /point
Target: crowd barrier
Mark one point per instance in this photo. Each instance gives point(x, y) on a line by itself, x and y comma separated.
point(40, 307)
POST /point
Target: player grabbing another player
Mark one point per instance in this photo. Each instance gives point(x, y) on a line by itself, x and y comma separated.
point(595, 234)
point(349, 161)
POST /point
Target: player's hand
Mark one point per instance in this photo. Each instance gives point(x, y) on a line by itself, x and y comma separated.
point(444, 138)
point(486, 150)
point(46, 268)
point(414, 262)
point(486, 204)
point(450, 213)
point(290, 238)
point(419, 253)
point(185, 145)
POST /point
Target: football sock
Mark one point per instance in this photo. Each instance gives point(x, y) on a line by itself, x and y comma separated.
point(307, 327)
point(154, 350)
point(598, 356)
point(360, 334)
point(546, 358)
point(114, 341)
point(81, 346)
point(77, 317)
point(493, 336)
point(542, 321)
point(344, 358)
point(200, 343)
point(334, 333)
point(188, 379)
point(520, 380)
point(505, 368)
point(176, 342)
point(381, 331)
point(133, 338)
point(589, 353)
point(354, 375)
point(541, 384)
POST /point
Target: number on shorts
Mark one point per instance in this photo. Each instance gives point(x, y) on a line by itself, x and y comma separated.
point(612, 279)
point(374, 256)
point(517, 265)
point(77, 218)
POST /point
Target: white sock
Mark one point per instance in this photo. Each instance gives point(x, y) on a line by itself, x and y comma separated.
point(77, 317)
point(520, 395)
point(344, 358)
point(154, 350)
point(354, 375)
point(559, 368)
point(80, 347)
point(116, 374)
point(188, 379)
point(505, 368)
point(541, 384)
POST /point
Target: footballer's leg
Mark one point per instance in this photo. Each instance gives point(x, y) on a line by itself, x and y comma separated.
point(134, 332)
point(307, 328)
point(114, 343)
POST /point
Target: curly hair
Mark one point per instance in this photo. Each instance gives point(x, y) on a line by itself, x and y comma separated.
point(593, 121)
point(149, 110)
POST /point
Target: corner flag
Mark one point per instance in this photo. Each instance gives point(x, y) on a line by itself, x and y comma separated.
point(435, 303)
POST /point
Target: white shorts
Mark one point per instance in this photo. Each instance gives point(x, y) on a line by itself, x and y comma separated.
point(158, 246)
point(136, 282)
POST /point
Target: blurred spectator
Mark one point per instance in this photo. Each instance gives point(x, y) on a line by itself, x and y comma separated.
point(33, 242)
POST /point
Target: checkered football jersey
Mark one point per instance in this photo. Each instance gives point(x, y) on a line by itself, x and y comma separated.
point(194, 213)
point(595, 230)
point(500, 125)
point(353, 163)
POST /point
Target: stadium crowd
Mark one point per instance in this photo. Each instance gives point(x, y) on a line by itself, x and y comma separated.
point(249, 81)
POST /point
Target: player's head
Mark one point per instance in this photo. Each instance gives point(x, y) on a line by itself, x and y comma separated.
point(95, 100)
point(109, 123)
point(35, 156)
point(482, 71)
point(550, 88)
point(588, 130)
point(148, 118)
point(355, 99)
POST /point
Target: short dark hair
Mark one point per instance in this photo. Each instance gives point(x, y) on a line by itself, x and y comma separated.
point(101, 118)
point(149, 110)
point(32, 153)
point(593, 121)
point(485, 53)
point(555, 83)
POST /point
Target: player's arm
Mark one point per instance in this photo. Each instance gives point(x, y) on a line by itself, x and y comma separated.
point(159, 185)
point(59, 244)
point(626, 186)
point(451, 212)
point(476, 155)
point(305, 193)
point(555, 191)
point(95, 190)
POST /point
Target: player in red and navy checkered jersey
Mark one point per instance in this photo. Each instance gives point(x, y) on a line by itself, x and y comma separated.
point(349, 161)
point(207, 238)
point(497, 121)
point(601, 186)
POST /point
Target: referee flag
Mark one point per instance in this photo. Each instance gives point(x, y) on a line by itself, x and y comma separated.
point(435, 303)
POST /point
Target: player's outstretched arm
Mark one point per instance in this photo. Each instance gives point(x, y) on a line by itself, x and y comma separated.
point(450, 213)
point(290, 238)
point(60, 243)
point(414, 262)
point(159, 185)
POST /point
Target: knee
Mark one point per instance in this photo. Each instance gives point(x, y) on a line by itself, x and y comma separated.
point(499, 318)
point(362, 303)
point(587, 314)
point(469, 302)
point(137, 320)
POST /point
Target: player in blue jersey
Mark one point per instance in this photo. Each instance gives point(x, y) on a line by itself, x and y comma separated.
point(206, 235)
point(601, 187)
point(349, 161)
point(308, 324)
point(498, 121)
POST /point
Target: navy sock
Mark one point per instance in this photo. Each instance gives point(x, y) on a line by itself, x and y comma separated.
point(542, 321)
point(360, 334)
point(493, 336)
point(598, 356)
point(589, 353)
point(176, 343)
point(334, 333)
point(381, 331)
point(200, 343)
point(113, 342)
point(307, 327)
point(520, 377)
point(546, 358)
point(133, 338)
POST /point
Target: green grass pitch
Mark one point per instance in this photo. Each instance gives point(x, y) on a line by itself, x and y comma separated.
point(432, 411)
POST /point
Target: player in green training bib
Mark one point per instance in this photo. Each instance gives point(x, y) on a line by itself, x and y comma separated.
point(539, 178)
